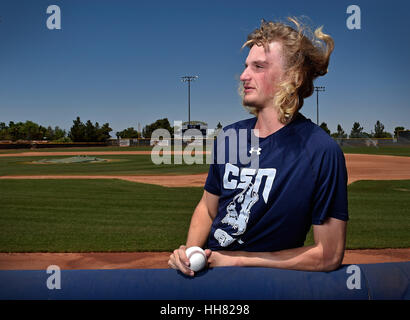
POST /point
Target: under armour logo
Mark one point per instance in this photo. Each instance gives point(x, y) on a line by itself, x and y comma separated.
point(258, 151)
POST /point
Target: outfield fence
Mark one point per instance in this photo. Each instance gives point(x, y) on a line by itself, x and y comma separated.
point(401, 141)
point(372, 142)
point(26, 144)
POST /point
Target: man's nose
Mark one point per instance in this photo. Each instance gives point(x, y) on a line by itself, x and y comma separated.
point(244, 76)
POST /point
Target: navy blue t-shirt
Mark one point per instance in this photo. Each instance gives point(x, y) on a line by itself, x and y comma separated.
point(300, 180)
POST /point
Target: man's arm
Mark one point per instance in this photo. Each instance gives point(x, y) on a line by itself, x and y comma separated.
point(201, 222)
point(325, 255)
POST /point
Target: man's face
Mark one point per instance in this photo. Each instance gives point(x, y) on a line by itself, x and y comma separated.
point(263, 71)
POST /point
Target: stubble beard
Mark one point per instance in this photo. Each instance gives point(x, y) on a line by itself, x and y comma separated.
point(250, 103)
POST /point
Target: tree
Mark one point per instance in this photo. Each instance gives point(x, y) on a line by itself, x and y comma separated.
point(77, 131)
point(340, 133)
point(4, 132)
point(89, 132)
point(49, 134)
point(129, 133)
point(357, 131)
point(59, 134)
point(24, 131)
point(396, 131)
point(56, 134)
point(29, 131)
point(379, 131)
point(159, 124)
point(103, 133)
point(218, 126)
point(323, 125)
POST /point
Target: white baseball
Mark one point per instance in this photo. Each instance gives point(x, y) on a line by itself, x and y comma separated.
point(197, 258)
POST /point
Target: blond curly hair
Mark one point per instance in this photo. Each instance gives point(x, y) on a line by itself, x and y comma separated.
point(306, 58)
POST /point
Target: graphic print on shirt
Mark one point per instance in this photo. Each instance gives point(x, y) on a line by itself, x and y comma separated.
point(238, 210)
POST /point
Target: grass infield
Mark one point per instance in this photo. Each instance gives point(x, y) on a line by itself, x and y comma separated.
point(111, 215)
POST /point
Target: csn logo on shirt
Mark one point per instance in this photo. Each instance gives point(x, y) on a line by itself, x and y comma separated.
point(239, 209)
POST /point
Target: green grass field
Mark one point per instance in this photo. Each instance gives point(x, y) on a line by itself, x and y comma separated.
point(383, 150)
point(111, 215)
point(75, 149)
point(120, 165)
point(91, 215)
point(379, 215)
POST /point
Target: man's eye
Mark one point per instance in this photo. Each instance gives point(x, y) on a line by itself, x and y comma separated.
point(259, 66)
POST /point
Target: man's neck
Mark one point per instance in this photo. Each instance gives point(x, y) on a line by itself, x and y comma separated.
point(268, 122)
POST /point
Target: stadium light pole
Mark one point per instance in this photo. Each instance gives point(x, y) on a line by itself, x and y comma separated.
point(317, 89)
point(189, 79)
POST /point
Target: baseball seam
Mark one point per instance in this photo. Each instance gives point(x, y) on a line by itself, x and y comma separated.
point(196, 251)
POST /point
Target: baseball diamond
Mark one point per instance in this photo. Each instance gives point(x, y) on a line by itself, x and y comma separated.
point(360, 167)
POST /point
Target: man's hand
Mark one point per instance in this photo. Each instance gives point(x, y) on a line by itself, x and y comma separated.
point(179, 261)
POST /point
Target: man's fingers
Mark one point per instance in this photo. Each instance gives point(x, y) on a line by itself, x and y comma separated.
point(180, 262)
point(171, 264)
point(182, 255)
point(171, 261)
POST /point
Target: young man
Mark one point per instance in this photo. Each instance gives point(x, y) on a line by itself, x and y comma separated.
point(260, 216)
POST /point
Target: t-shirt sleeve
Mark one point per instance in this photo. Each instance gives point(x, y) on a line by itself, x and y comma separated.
point(330, 195)
point(212, 184)
point(213, 181)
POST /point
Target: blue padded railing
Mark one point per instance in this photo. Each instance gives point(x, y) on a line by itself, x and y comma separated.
point(366, 281)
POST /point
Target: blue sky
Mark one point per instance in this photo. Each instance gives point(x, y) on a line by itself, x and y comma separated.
point(121, 61)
